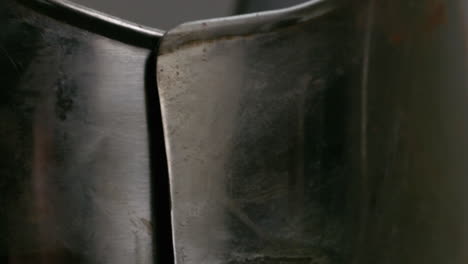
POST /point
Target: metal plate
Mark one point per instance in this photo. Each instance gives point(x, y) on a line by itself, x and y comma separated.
point(254, 133)
point(413, 127)
point(75, 176)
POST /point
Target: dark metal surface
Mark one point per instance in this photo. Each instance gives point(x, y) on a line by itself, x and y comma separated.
point(274, 154)
point(75, 183)
point(253, 112)
point(413, 134)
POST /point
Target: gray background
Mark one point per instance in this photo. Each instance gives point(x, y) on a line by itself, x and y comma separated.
point(165, 14)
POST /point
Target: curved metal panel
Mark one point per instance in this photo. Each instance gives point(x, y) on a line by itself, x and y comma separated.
point(94, 21)
point(250, 105)
point(75, 183)
point(414, 146)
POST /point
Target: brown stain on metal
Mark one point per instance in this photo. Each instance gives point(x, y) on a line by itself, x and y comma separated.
point(401, 22)
point(397, 38)
point(437, 16)
point(147, 224)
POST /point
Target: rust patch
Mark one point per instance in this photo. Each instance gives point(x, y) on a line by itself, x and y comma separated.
point(397, 38)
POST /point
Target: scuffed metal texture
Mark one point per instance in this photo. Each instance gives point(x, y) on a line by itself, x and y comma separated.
point(253, 111)
point(74, 156)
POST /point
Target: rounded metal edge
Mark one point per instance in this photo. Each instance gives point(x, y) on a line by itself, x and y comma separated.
point(229, 27)
point(96, 21)
point(243, 25)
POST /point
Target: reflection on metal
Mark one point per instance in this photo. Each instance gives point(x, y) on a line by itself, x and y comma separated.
point(254, 131)
point(63, 6)
point(314, 134)
point(74, 156)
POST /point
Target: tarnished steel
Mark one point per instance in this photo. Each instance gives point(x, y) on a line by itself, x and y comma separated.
point(75, 182)
point(317, 135)
point(413, 132)
point(254, 133)
point(329, 132)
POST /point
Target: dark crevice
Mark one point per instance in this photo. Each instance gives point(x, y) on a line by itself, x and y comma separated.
point(161, 202)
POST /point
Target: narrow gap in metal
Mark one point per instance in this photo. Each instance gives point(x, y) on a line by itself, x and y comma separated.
point(160, 186)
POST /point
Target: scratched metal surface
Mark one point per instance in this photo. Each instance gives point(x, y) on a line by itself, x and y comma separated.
point(74, 157)
point(252, 113)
